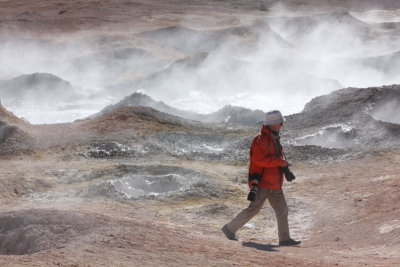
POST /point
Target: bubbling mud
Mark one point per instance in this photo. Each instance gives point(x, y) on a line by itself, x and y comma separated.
point(140, 185)
point(155, 181)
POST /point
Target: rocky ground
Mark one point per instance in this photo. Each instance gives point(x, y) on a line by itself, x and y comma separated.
point(59, 210)
point(134, 186)
point(141, 187)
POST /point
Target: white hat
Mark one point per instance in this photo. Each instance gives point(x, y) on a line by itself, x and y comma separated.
point(274, 117)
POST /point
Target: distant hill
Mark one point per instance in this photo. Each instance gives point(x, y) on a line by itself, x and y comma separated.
point(184, 39)
point(228, 114)
point(41, 87)
point(254, 32)
point(235, 114)
point(389, 63)
point(187, 63)
point(295, 29)
point(190, 41)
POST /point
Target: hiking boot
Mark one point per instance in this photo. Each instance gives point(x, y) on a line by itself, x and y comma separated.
point(290, 242)
point(230, 235)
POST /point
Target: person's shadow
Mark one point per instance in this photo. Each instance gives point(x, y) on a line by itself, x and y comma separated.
point(263, 247)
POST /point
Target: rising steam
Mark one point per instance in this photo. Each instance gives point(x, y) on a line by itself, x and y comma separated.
point(276, 62)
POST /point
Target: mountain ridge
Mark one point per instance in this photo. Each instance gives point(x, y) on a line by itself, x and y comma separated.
point(227, 114)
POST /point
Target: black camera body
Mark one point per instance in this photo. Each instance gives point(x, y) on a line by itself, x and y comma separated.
point(254, 179)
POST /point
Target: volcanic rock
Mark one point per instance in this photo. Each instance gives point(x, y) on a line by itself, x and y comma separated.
point(348, 115)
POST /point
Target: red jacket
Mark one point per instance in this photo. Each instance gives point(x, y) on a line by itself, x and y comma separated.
point(264, 160)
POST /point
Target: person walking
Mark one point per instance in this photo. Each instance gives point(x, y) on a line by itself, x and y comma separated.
point(265, 180)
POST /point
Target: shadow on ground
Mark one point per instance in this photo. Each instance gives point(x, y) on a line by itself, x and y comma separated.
point(263, 247)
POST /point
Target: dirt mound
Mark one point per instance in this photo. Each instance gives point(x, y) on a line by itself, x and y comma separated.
point(6, 131)
point(346, 119)
point(138, 119)
point(14, 136)
point(346, 104)
point(8, 117)
point(139, 99)
point(38, 87)
point(30, 231)
point(13, 139)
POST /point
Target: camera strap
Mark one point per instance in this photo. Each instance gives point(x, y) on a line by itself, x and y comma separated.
point(284, 155)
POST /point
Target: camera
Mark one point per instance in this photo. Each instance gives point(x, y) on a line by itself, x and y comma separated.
point(288, 174)
point(253, 179)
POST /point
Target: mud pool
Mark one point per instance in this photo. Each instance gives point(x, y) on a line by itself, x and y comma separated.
point(151, 181)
